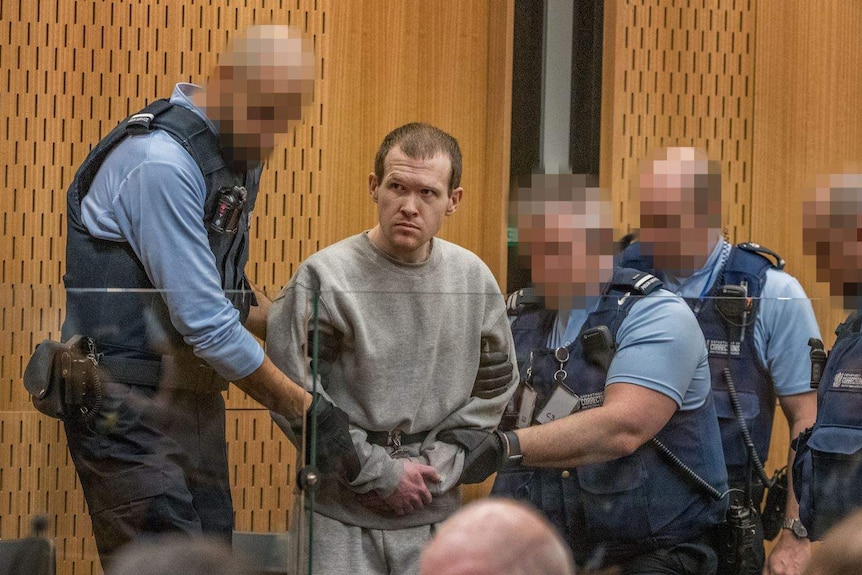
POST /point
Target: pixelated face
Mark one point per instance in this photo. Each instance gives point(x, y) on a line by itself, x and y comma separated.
point(671, 229)
point(569, 248)
point(262, 91)
point(412, 201)
point(832, 233)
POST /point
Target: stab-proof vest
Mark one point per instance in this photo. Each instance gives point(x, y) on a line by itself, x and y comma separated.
point(109, 296)
point(827, 472)
point(728, 348)
point(635, 504)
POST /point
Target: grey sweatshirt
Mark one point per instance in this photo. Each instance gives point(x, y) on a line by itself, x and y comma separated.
point(412, 334)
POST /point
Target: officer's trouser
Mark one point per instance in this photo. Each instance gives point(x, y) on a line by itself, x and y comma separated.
point(153, 462)
point(552, 492)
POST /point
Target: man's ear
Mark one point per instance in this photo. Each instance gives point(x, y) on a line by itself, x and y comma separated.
point(372, 186)
point(454, 201)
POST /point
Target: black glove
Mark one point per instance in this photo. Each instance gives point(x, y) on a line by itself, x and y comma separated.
point(328, 350)
point(494, 375)
point(487, 453)
point(335, 450)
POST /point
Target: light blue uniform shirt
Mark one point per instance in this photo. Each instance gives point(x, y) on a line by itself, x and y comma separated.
point(150, 193)
point(784, 321)
point(659, 346)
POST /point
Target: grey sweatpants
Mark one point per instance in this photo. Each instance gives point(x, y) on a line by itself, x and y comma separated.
point(341, 549)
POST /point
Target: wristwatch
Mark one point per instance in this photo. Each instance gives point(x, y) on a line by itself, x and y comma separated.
point(796, 526)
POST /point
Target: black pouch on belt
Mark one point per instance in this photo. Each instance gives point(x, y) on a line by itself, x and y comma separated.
point(62, 378)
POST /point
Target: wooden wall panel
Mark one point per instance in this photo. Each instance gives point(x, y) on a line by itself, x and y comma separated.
point(678, 73)
point(70, 71)
point(444, 62)
point(808, 111)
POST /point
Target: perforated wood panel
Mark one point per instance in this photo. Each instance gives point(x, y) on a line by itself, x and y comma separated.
point(679, 72)
point(69, 71)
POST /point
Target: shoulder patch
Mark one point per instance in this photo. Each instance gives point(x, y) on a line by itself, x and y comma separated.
point(767, 253)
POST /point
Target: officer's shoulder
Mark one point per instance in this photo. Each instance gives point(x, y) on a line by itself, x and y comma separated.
point(662, 305)
point(751, 249)
point(636, 281)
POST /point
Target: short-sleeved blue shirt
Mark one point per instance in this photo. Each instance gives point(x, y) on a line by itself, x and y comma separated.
point(660, 346)
point(784, 322)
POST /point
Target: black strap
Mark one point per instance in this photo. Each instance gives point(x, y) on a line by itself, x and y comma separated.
point(171, 372)
point(763, 251)
point(184, 125)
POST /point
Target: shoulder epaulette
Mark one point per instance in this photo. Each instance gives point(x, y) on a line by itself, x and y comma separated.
point(642, 282)
point(767, 253)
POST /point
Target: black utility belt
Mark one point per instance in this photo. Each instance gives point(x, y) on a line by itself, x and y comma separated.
point(67, 379)
point(170, 372)
point(562, 401)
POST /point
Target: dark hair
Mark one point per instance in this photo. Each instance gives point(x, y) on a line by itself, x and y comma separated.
point(420, 142)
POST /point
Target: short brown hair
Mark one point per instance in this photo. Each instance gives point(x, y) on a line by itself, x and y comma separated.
point(420, 142)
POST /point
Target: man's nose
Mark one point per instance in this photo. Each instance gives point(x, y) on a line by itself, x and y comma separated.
point(409, 205)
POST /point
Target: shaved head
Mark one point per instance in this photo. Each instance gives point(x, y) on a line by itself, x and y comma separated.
point(258, 90)
point(496, 537)
point(680, 205)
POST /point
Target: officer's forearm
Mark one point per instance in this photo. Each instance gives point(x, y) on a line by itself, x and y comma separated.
point(271, 388)
point(580, 438)
point(630, 416)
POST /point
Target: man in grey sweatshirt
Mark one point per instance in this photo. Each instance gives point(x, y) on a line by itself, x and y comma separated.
point(412, 314)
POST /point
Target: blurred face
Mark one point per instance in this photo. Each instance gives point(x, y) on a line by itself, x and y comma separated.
point(671, 230)
point(569, 246)
point(832, 233)
point(412, 201)
point(259, 91)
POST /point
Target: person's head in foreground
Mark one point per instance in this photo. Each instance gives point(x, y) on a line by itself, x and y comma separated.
point(496, 537)
point(840, 553)
point(177, 554)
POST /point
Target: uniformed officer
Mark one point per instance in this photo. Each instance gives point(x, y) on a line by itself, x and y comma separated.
point(828, 466)
point(158, 218)
point(613, 433)
point(756, 320)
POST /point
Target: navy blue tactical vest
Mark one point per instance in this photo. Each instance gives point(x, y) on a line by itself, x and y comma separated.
point(827, 472)
point(744, 266)
point(635, 504)
point(109, 296)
